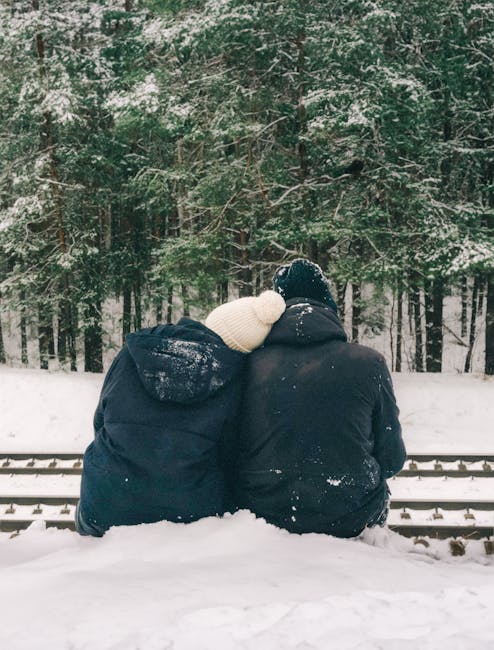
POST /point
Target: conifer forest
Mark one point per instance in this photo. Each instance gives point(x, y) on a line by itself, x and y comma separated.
point(160, 157)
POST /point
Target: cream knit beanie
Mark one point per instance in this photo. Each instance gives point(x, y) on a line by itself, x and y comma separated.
point(243, 324)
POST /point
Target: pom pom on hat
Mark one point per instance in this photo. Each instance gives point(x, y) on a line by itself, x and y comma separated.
point(303, 279)
point(268, 308)
point(243, 324)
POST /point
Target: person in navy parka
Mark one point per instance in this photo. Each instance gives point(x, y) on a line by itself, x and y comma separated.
point(166, 417)
point(319, 431)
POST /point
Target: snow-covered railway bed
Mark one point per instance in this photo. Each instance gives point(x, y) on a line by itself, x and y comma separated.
point(39, 463)
point(453, 466)
point(442, 523)
point(421, 492)
point(441, 517)
point(461, 488)
point(39, 486)
point(439, 496)
point(442, 489)
point(16, 516)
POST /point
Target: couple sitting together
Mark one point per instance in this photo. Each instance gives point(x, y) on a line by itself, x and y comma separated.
point(266, 407)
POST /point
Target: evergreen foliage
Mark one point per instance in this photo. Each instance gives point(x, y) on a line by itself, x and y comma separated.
point(154, 149)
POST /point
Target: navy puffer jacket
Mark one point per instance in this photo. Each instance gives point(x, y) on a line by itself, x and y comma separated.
point(165, 415)
point(319, 427)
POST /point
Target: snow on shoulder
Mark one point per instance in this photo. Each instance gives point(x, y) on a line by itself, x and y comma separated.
point(238, 583)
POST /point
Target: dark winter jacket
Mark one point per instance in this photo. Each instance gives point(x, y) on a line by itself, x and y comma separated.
point(165, 412)
point(319, 427)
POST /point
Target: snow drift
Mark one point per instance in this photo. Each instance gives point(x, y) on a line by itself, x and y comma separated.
point(238, 583)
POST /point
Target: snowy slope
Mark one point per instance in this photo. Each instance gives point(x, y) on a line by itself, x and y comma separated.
point(236, 584)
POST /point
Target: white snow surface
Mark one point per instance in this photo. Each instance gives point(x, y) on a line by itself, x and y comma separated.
point(44, 411)
point(237, 582)
point(446, 412)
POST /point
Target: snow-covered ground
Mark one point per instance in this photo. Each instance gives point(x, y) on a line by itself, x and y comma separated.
point(238, 583)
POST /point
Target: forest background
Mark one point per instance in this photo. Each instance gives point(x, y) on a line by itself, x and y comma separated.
point(158, 157)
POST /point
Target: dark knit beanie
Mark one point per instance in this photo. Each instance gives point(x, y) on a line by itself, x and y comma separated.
point(303, 279)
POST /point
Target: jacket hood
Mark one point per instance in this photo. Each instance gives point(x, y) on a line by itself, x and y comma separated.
point(304, 322)
point(183, 363)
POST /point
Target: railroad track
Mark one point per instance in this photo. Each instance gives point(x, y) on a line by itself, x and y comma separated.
point(423, 465)
point(438, 496)
point(40, 464)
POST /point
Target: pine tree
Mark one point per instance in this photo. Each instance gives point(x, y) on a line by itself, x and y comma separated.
point(155, 151)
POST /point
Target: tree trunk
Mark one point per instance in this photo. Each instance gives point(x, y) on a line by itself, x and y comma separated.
point(48, 144)
point(356, 311)
point(66, 340)
point(68, 325)
point(246, 288)
point(127, 312)
point(410, 313)
point(323, 256)
point(67, 333)
point(303, 159)
point(489, 326)
point(313, 250)
point(223, 292)
point(3, 358)
point(185, 300)
point(480, 298)
point(399, 327)
point(24, 357)
point(417, 320)
point(159, 312)
point(434, 325)
point(340, 299)
point(473, 324)
point(169, 307)
point(464, 305)
point(61, 342)
point(301, 147)
point(45, 335)
point(137, 305)
point(51, 341)
point(93, 339)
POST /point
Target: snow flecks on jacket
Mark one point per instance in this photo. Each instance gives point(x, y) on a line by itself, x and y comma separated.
point(200, 365)
point(319, 408)
point(165, 414)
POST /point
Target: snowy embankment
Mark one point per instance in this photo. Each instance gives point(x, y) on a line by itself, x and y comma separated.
point(238, 583)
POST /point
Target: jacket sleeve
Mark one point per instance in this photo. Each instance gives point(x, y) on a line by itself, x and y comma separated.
point(229, 445)
point(389, 448)
point(98, 418)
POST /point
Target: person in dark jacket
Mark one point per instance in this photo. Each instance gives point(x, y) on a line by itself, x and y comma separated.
point(167, 410)
point(319, 429)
